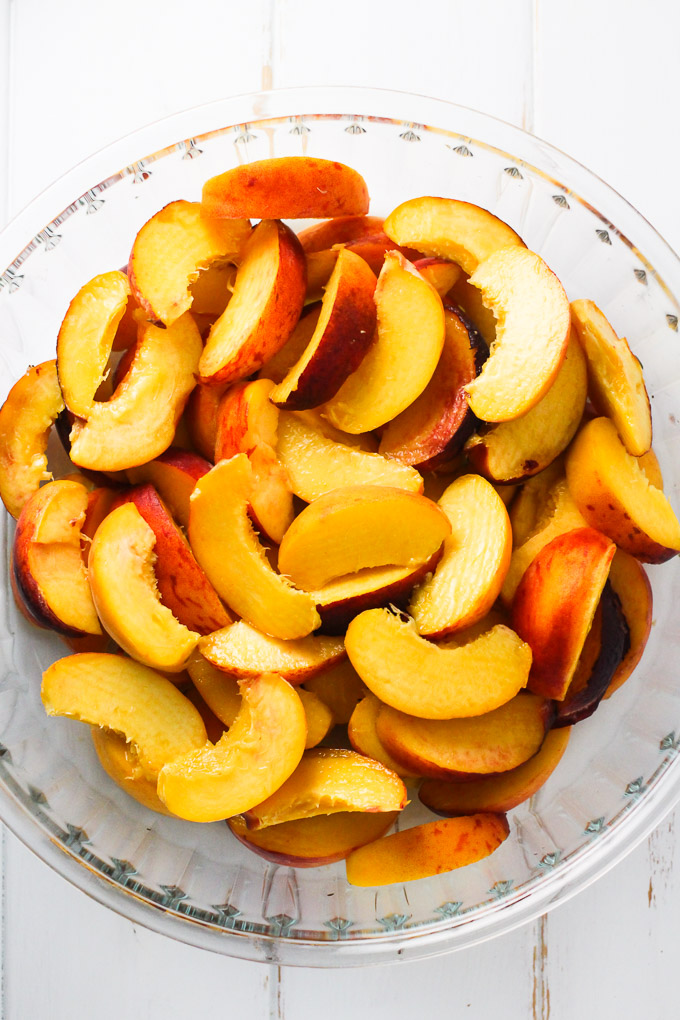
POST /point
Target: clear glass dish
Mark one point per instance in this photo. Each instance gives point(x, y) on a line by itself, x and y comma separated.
point(620, 774)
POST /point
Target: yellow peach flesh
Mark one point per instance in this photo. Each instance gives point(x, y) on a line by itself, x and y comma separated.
point(242, 651)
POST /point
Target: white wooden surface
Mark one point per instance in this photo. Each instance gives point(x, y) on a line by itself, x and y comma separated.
point(598, 78)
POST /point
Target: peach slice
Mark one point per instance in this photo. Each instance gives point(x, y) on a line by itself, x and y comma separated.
point(416, 676)
point(328, 780)
point(138, 423)
point(340, 687)
point(214, 726)
point(453, 230)
point(316, 841)
point(316, 464)
point(86, 338)
point(278, 366)
point(531, 337)
point(432, 430)
point(200, 415)
point(31, 408)
point(441, 273)
point(338, 230)
point(269, 292)
point(320, 719)
point(125, 595)
point(555, 603)
point(425, 850)
point(174, 475)
point(288, 187)
point(373, 250)
point(631, 585)
point(212, 290)
point(614, 495)
point(220, 692)
point(497, 793)
point(250, 761)
point(343, 333)
point(271, 500)
point(469, 301)
point(360, 526)
point(47, 570)
point(246, 417)
point(395, 370)
point(120, 762)
point(364, 738)
point(227, 548)
point(476, 557)
point(242, 651)
point(616, 385)
point(109, 690)
point(454, 748)
point(516, 449)
point(100, 502)
point(182, 584)
point(171, 249)
point(531, 500)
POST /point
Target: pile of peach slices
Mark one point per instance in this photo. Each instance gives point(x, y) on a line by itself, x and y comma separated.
point(377, 475)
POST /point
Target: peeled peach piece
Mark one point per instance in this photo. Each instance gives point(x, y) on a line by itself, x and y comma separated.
point(457, 231)
point(123, 695)
point(468, 578)
point(227, 548)
point(287, 187)
point(614, 495)
point(617, 387)
point(240, 650)
point(360, 526)
point(250, 761)
point(343, 333)
point(268, 295)
point(414, 675)
point(138, 423)
point(173, 474)
point(425, 850)
point(364, 738)
point(171, 249)
point(86, 338)
point(328, 780)
point(126, 596)
point(32, 406)
point(396, 369)
point(120, 762)
point(531, 336)
point(631, 584)
point(48, 573)
point(555, 603)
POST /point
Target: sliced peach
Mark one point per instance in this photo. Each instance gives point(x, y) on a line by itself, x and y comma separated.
point(445, 227)
point(631, 584)
point(340, 687)
point(531, 337)
point(31, 408)
point(48, 573)
point(338, 230)
point(100, 501)
point(316, 464)
point(109, 690)
point(246, 417)
point(278, 366)
point(395, 370)
point(200, 415)
point(250, 761)
point(174, 475)
point(268, 295)
point(126, 597)
point(212, 290)
point(214, 726)
point(373, 250)
point(416, 676)
point(271, 500)
point(555, 603)
point(513, 450)
point(328, 780)
point(343, 333)
point(287, 187)
point(652, 469)
point(441, 273)
point(476, 557)
point(138, 423)
point(120, 762)
point(242, 651)
point(171, 249)
point(320, 719)
point(432, 430)
point(220, 692)
point(616, 385)
point(613, 493)
point(425, 850)
point(468, 300)
point(455, 748)
point(360, 526)
point(531, 499)
point(316, 841)
point(364, 738)
point(227, 548)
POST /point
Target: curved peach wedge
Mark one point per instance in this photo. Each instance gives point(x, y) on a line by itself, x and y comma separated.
point(227, 548)
point(129, 698)
point(121, 763)
point(340, 687)
point(614, 495)
point(48, 572)
point(441, 273)
point(250, 761)
point(126, 597)
point(328, 780)
point(280, 364)
point(171, 249)
point(287, 187)
point(360, 526)
point(26, 417)
point(338, 230)
point(416, 676)
point(173, 474)
point(630, 583)
point(242, 651)
point(531, 336)
point(364, 738)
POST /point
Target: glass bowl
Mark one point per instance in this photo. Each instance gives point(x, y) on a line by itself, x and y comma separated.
point(620, 774)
